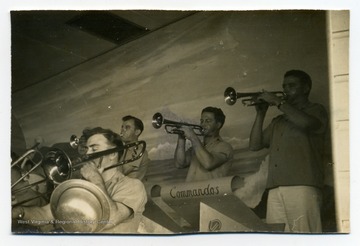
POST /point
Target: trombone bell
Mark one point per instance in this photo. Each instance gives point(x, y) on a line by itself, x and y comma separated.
point(59, 167)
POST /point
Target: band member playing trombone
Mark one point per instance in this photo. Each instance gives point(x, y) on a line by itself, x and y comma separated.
point(131, 129)
point(126, 196)
point(295, 140)
point(208, 159)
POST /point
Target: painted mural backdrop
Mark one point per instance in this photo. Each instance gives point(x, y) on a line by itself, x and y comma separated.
point(177, 71)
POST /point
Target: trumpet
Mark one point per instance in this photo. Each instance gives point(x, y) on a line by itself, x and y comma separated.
point(249, 98)
point(172, 127)
point(59, 167)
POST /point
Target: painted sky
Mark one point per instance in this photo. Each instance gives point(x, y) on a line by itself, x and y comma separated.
point(178, 71)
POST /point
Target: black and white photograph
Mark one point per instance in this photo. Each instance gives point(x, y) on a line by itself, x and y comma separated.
point(166, 122)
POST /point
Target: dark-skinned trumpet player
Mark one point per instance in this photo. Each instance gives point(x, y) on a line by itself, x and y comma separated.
point(295, 140)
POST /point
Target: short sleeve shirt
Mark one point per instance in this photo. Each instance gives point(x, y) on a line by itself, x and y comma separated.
point(296, 153)
point(218, 147)
point(130, 192)
point(136, 169)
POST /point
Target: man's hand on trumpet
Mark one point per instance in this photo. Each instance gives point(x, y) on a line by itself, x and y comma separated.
point(269, 97)
point(188, 132)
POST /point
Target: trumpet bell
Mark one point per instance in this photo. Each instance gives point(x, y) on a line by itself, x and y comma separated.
point(230, 96)
point(157, 120)
point(80, 206)
point(74, 141)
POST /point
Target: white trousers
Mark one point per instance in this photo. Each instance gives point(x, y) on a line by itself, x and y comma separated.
point(296, 206)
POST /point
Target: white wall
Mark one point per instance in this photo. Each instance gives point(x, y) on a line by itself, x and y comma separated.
point(338, 33)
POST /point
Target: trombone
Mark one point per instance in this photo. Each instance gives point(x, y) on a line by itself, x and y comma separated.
point(172, 127)
point(59, 167)
point(24, 182)
point(23, 159)
point(248, 98)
